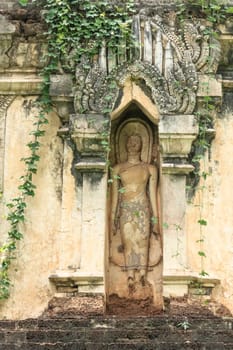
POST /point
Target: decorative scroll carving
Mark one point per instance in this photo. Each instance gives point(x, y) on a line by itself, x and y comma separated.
point(5, 101)
point(164, 63)
point(100, 91)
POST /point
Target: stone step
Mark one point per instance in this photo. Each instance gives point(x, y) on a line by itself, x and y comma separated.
point(129, 323)
point(142, 333)
point(116, 346)
point(109, 335)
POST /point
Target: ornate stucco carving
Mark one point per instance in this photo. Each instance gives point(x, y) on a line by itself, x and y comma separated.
point(5, 101)
point(165, 62)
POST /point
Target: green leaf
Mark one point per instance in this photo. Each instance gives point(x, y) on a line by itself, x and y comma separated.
point(202, 222)
point(203, 273)
point(165, 225)
point(154, 220)
point(23, 2)
point(201, 253)
point(122, 190)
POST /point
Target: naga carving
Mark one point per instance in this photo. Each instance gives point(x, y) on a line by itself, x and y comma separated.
point(165, 63)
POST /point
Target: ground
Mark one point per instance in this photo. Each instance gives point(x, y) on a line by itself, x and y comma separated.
point(87, 305)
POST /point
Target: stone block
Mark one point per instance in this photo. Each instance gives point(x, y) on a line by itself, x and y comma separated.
point(176, 134)
point(61, 85)
point(178, 124)
point(6, 27)
point(15, 336)
point(209, 85)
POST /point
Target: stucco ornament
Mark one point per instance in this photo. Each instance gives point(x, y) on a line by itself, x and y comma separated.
point(164, 61)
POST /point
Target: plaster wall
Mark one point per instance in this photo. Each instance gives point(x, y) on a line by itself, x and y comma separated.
point(54, 225)
point(38, 252)
point(215, 204)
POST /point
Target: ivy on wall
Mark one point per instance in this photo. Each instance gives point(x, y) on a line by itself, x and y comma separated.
point(76, 32)
point(214, 12)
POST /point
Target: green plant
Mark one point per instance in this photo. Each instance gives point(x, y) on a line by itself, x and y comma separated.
point(76, 30)
point(185, 325)
point(17, 206)
point(214, 12)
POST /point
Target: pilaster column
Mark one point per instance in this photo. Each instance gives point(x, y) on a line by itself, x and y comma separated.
point(5, 101)
point(176, 134)
point(89, 136)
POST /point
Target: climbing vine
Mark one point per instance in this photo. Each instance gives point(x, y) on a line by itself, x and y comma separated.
point(76, 31)
point(214, 12)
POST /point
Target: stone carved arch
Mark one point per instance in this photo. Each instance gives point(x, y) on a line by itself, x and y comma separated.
point(98, 92)
point(164, 63)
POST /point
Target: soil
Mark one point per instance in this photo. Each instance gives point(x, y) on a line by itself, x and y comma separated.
point(89, 305)
point(83, 305)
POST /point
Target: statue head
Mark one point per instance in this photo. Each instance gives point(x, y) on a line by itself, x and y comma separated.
point(134, 144)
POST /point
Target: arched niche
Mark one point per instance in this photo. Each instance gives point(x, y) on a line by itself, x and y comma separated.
point(130, 95)
point(130, 122)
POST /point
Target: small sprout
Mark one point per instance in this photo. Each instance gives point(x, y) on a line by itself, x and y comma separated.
point(184, 324)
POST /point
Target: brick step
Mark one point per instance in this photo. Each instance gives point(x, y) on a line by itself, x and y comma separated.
point(129, 323)
point(116, 346)
point(108, 335)
point(101, 333)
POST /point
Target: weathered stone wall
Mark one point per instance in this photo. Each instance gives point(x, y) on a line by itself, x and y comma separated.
point(55, 226)
point(30, 270)
point(216, 197)
point(6, 5)
point(217, 209)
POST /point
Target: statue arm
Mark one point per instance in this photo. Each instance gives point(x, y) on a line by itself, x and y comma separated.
point(153, 195)
point(115, 197)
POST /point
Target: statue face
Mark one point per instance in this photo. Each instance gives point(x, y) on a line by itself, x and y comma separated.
point(134, 144)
